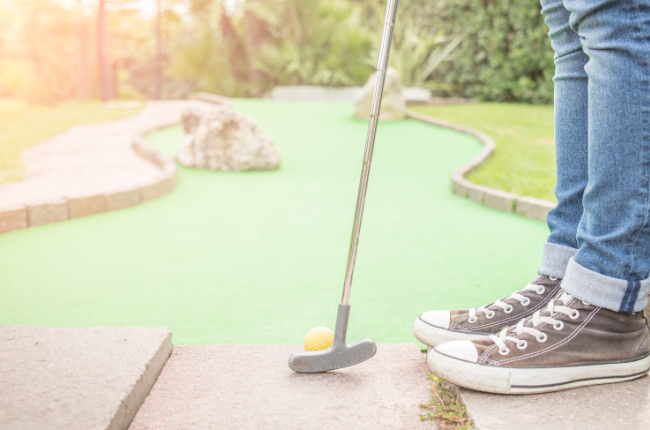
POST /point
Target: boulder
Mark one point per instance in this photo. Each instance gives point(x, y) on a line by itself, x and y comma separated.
point(393, 106)
point(219, 138)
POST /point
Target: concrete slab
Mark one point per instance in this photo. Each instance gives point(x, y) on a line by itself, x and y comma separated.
point(77, 378)
point(624, 405)
point(252, 387)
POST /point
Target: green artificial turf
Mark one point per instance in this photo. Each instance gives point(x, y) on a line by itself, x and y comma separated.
point(259, 257)
point(524, 159)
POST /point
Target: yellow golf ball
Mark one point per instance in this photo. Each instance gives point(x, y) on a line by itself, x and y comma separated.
point(318, 339)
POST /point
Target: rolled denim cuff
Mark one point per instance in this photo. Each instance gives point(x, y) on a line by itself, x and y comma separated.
point(600, 290)
point(555, 259)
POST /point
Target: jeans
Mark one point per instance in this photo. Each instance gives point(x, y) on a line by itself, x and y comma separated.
point(599, 239)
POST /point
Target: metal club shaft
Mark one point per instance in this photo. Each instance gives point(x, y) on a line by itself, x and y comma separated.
point(391, 13)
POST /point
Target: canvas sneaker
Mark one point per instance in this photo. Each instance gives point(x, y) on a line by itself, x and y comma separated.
point(568, 344)
point(435, 327)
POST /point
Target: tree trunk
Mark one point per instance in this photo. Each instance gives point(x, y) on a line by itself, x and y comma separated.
point(84, 75)
point(158, 52)
point(237, 55)
point(102, 52)
point(257, 35)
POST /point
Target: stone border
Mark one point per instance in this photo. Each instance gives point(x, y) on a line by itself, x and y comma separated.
point(60, 209)
point(528, 207)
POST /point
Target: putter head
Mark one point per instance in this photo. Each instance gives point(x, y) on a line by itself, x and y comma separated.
point(338, 356)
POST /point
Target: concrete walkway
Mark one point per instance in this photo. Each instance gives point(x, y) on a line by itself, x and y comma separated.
point(90, 159)
point(252, 387)
point(614, 406)
point(77, 378)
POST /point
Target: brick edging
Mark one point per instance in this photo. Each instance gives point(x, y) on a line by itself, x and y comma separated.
point(528, 207)
point(61, 209)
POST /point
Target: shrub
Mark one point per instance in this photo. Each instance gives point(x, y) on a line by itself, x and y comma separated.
point(15, 77)
point(505, 54)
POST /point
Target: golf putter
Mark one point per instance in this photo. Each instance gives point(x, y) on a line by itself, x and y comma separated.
point(341, 354)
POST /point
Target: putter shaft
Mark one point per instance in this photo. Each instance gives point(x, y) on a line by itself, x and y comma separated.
point(341, 354)
point(391, 13)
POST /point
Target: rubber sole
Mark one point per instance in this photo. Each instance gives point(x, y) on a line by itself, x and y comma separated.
point(514, 380)
point(433, 336)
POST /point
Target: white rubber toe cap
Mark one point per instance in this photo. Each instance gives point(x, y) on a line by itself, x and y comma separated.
point(459, 349)
point(440, 319)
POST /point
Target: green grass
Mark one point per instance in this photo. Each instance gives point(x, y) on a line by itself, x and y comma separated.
point(524, 159)
point(23, 125)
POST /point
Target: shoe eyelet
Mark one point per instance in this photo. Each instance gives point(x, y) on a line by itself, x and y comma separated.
point(543, 338)
point(504, 351)
point(509, 309)
point(575, 314)
point(526, 301)
point(472, 320)
point(522, 344)
point(541, 290)
point(558, 325)
point(553, 278)
point(490, 315)
point(585, 303)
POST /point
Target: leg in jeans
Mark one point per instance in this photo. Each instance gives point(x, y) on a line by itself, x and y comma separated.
point(571, 139)
point(592, 332)
point(612, 265)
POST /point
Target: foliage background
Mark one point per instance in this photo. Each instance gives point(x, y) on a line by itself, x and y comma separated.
point(505, 56)
point(483, 49)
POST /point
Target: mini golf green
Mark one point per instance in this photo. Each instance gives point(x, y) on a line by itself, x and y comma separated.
point(259, 257)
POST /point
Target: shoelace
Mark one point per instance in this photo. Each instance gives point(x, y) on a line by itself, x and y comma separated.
point(537, 319)
point(507, 308)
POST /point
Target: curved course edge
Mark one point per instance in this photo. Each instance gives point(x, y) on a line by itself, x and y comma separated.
point(528, 207)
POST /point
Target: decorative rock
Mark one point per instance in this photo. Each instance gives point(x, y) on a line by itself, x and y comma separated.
point(393, 106)
point(219, 138)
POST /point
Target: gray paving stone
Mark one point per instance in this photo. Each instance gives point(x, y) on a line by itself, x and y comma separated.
point(476, 193)
point(624, 405)
point(13, 218)
point(123, 199)
point(46, 213)
point(168, 184)
point(533, 208)
point(458, 186)
point(252, 387)
point(77, 378)
point(153, 191)
point(84, 206)
point(499, 200)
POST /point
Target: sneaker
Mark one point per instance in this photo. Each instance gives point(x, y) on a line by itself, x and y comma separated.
point(435, 327)
point(569, 344)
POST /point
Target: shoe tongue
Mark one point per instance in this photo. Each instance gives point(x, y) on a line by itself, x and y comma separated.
point(564, 299)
